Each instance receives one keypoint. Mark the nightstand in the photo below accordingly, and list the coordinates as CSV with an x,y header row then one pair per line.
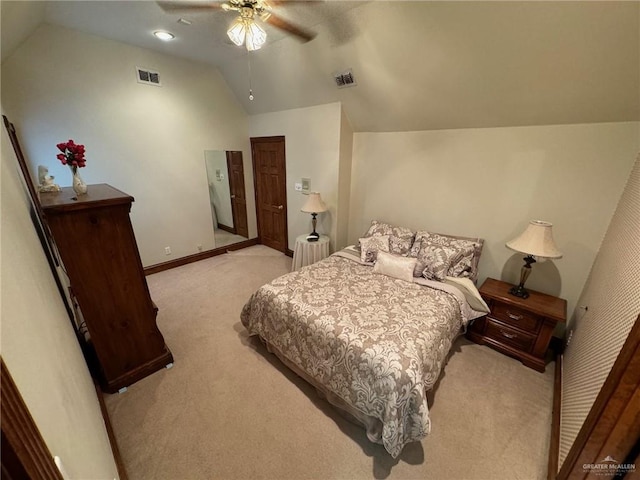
x,y
521,328
306,252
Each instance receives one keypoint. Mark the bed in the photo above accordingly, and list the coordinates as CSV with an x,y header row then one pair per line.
x,y
372,341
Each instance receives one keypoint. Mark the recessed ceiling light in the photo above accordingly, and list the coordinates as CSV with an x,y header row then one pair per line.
x,y
162,35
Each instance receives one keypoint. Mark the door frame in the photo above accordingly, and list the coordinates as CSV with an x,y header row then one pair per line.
x,y
24,451
611,427
287,250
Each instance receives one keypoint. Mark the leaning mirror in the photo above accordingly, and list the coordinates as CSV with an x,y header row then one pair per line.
x,y
227,196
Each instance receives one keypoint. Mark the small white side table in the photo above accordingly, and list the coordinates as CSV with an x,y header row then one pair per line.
x,y
305,252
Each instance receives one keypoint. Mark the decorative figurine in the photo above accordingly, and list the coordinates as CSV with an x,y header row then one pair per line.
x,y
46,181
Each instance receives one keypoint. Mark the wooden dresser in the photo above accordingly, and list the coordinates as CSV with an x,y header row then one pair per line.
x,y
98,249
521,328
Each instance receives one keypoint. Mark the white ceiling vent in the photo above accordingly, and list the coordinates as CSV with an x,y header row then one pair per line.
x,y
345,79
149,77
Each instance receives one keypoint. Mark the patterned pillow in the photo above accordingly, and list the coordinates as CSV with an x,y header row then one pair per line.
x,y
370,246
463,267
395,266
400,245
466,265
378,228
434,261
400,240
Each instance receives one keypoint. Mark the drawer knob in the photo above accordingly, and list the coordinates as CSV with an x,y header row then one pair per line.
x,y
513,316
508,335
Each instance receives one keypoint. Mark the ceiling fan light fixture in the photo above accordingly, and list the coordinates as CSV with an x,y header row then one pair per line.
x,y
255,37
245,31
237,31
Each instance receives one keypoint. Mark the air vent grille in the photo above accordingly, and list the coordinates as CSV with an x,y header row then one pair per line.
x,y
148,77
345,79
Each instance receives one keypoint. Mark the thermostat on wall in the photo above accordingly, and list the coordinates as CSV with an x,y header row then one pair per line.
x,y
306,185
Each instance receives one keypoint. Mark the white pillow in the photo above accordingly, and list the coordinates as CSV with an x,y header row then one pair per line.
x,y
395,266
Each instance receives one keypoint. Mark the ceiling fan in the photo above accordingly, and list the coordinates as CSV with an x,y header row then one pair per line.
x,y
245,29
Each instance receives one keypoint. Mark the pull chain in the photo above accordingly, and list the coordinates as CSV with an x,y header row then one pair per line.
x,y
249,69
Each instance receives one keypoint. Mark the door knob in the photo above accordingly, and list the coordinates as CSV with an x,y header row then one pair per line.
x,y
280,207
233,196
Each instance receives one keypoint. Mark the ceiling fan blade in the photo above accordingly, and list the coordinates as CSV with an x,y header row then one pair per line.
x,y
279,22
189,6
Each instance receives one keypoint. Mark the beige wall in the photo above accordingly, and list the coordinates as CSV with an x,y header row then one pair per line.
x,y
147,141
19,20
312,137
39,345
344,180
491,182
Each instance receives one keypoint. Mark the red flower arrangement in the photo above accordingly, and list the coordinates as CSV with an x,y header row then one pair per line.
x,y
72,155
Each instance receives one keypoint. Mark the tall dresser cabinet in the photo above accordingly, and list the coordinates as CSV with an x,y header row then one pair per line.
x,y
95,240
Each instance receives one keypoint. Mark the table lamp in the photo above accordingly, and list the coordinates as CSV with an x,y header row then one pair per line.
x,y
535,241
314,205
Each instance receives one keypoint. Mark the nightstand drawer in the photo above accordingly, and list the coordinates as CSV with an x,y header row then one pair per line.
x,y
516,317
509,336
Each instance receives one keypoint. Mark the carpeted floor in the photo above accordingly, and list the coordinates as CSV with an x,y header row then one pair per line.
x,y
223,238
230,410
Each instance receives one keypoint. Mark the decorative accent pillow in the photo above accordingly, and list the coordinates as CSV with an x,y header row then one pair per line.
x,y
378,228
400,240
400,245
434,261
466,265
395,266
370,246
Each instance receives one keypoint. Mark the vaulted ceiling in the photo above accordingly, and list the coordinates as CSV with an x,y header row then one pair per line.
x,y
418,65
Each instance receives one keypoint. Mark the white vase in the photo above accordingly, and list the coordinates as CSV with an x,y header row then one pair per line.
x,y
78,184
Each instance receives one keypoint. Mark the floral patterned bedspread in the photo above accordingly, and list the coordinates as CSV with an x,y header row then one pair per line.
x,y
376,342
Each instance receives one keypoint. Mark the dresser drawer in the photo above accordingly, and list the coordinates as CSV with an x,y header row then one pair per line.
x,y
509,336
516,317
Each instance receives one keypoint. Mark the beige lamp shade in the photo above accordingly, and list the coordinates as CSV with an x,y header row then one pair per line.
x,y
536,240
314,204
